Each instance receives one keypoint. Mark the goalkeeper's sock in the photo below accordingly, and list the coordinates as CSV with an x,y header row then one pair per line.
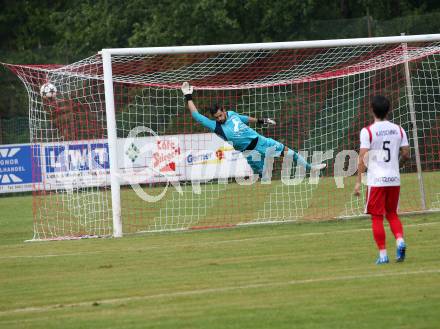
x,y
299,159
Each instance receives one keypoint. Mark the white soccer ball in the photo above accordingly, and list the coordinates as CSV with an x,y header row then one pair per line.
x,y
48,91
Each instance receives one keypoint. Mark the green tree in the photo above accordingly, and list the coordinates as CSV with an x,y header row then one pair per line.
x,y
59,31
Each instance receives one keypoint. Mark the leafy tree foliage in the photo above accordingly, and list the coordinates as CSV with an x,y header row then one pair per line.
x,y
57,31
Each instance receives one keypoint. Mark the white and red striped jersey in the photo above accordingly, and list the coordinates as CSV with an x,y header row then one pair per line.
x,y
384,140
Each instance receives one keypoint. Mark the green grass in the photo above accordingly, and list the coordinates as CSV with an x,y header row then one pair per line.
x,y
311,275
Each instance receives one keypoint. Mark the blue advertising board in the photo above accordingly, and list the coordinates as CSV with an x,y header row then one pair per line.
x,y
19,167
76,157
26,167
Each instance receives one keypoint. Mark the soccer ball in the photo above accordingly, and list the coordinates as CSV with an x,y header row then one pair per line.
x,y
48,91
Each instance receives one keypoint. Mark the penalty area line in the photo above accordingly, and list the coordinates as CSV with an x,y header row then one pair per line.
x,y
187,293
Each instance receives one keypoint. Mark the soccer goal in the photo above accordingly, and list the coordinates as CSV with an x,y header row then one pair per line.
x,y
117,151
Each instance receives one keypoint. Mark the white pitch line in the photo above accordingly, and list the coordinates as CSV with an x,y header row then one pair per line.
x,y
79,253
210,243
120,300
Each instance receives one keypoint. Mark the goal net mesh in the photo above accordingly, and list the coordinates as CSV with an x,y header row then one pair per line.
x,y
319,98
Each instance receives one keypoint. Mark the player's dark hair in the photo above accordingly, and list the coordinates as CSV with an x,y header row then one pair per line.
x,y
214,109
381,106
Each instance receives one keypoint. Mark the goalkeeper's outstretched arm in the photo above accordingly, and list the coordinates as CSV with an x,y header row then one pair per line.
x,y
187,91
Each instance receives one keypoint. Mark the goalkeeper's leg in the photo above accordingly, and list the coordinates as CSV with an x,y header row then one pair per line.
x,y
270,147
278,149
257,165
298,158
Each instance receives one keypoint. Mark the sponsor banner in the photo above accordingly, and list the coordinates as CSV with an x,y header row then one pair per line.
x,y
209,157
179,157
141,160
16,167
72,165
150,159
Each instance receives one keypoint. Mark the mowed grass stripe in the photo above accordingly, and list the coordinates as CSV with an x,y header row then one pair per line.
x,y
208,243
221,290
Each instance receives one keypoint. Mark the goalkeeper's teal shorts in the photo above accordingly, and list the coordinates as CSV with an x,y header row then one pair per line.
x,y
265,147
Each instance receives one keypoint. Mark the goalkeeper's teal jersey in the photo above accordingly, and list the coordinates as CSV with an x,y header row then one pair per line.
x,y
234,130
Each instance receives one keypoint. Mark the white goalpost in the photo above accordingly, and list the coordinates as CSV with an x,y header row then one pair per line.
x,y
119,153
112,144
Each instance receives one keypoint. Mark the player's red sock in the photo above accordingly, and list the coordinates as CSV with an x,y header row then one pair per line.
x,y
378,231
395,224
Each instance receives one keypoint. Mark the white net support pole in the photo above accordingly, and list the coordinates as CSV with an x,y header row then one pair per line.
x,y
112,144
415,136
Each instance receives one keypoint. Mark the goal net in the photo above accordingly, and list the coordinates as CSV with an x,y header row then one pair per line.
x,y
172,174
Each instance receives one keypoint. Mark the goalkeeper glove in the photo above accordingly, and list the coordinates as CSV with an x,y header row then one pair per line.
x,y
266,121
187,91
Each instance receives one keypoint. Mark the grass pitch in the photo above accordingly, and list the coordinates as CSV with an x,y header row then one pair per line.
x,y
313,275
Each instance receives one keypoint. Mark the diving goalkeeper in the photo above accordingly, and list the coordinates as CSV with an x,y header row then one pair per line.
x,y
233,128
